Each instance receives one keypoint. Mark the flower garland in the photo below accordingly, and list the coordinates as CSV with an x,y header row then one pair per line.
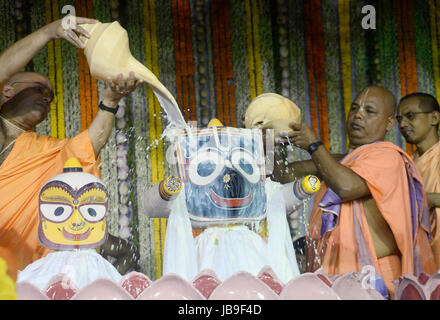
x,y
71,87
345,45
424,58
203,53
184,58
155,122
298,67
222,64
123,171
19,22
37,14
8,9
284,54
253,49
318,53
434,25
388,54
240,57
333,77
406,52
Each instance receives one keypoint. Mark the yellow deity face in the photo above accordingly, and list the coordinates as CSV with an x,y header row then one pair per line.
x,y
72,217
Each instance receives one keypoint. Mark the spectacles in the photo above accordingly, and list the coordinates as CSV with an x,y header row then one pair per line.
x,y
45,90
410,115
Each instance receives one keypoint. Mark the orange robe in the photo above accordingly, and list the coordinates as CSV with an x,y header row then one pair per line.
x,y
428,165
32,162
341,242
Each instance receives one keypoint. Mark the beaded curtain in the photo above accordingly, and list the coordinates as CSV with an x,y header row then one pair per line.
x,y
215,56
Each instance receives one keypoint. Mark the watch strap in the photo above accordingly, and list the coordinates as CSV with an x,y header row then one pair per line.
x,y
102,106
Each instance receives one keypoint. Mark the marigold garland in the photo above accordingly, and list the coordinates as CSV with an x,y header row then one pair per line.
x,y
156,153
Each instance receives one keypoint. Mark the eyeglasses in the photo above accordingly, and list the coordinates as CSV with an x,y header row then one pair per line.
x,y
410,115
45,90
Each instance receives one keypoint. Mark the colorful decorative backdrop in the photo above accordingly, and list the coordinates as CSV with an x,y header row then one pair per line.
x,y
215,56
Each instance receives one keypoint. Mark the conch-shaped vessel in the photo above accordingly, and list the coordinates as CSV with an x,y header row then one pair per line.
x,y
108,54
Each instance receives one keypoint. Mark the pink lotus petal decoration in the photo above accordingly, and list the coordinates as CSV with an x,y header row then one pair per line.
x,y
170,287
308,286
205,282
423,287
268,276
243,286
60,287
27,291
323,276
135,282
102,289
353,286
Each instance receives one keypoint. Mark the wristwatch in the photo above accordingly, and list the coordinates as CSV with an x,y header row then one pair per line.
x,y
102,106
313,147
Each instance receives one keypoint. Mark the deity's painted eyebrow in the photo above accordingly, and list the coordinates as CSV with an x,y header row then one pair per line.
x,y
56,198
94,198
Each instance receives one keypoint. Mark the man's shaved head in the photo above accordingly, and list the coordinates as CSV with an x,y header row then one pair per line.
x,y
371,116
26,99
20,81
388,101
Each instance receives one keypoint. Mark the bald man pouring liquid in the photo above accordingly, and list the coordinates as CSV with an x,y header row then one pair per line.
x,y
27,160
372,208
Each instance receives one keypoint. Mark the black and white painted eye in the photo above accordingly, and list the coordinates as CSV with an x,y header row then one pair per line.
x,y
205,167
92,212
246,165
55,212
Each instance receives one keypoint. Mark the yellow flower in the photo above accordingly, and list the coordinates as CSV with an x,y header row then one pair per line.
x,y
7,285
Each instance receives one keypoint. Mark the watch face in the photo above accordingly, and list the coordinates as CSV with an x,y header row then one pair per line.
x,y
72,212
314,146
223,173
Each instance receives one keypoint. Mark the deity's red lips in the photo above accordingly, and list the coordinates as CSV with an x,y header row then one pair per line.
x,y
76,237
231,202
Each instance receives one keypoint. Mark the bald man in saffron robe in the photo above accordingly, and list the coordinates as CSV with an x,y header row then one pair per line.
x,y
372,209
28,160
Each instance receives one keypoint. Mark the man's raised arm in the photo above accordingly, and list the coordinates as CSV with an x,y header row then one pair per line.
x,y
17,56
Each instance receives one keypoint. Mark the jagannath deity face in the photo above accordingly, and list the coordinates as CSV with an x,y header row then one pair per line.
x,y
73,208
223,173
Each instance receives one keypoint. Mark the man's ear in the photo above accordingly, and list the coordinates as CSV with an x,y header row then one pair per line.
x,y
435,118
8,91
390,123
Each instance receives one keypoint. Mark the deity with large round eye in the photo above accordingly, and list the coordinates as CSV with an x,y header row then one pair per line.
x,y
237,214
73,210
223,173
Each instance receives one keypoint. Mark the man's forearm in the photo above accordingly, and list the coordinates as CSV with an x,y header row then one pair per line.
x,y
341,179
101,127
17,56
287,172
